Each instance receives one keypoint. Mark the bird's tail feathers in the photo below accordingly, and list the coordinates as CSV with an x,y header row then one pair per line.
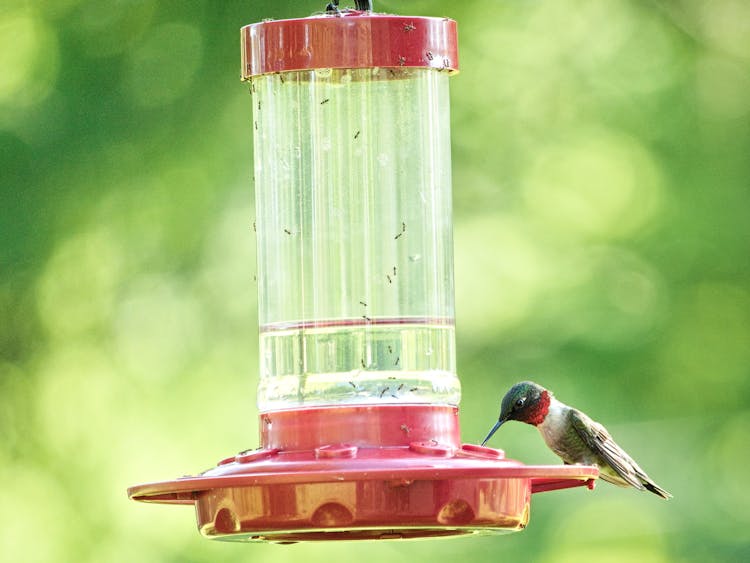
x,y
657,490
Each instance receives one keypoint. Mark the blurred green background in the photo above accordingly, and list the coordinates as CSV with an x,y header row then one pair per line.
x,y
601,183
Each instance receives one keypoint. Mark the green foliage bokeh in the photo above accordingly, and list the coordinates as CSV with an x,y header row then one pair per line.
x,y
601,172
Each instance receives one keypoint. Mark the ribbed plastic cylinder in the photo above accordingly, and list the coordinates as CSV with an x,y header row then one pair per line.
x,y
353,224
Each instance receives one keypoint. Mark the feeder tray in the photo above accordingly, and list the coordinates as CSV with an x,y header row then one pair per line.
x,y
418,482
358,393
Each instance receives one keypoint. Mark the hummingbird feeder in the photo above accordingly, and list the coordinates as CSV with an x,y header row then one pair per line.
x,y
358,392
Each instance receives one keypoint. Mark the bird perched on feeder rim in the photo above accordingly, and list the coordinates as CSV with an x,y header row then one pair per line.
x,y
573,436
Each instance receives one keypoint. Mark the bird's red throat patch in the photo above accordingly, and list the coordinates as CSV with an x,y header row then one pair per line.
x,y
540,410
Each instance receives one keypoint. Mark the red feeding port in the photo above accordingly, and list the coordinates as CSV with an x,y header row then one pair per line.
x,y
358,392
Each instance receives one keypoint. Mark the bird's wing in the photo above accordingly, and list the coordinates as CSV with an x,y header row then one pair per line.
x,y
598,439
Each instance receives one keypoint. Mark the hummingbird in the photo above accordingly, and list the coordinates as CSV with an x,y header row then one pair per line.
x,y
573,436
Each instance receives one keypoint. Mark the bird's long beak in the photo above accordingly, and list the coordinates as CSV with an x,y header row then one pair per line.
x,y
494,429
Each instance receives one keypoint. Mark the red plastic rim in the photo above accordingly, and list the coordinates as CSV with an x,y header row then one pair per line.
x,y
349,40
359,425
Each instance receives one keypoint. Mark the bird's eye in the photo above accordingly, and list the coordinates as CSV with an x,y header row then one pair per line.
x,y
520,402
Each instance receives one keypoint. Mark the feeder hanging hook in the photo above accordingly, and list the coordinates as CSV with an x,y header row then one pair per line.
x,y
362,5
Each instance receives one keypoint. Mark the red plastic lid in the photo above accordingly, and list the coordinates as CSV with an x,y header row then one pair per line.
x,y
351,39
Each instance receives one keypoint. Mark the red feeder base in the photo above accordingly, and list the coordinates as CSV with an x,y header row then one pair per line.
x,y
363,472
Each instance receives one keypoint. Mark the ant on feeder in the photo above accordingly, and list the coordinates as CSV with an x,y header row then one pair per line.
x,y
403,230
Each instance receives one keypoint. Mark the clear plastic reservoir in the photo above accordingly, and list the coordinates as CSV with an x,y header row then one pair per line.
x,y
353,225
